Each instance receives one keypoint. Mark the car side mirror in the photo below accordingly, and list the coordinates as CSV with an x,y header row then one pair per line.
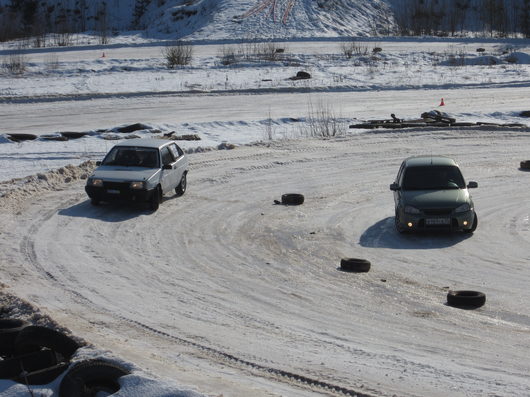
x,y
98,163
472,185
167,167
394,187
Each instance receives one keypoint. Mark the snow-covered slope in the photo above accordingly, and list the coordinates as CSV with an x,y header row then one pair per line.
x,y
243,19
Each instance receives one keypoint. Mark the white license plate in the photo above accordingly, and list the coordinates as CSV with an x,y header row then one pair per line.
x,y
113,191
438,221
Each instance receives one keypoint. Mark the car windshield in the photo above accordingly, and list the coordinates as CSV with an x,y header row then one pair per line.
x,y
433,178
132,157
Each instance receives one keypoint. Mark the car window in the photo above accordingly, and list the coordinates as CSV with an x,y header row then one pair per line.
x,y
167,157
433,178
174,151
180,151
400,173
132,157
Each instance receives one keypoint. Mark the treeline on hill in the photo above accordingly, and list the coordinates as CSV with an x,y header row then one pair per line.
x,y
494,18
37,19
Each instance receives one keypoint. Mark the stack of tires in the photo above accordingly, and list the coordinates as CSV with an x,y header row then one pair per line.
x,y
35,355
31,354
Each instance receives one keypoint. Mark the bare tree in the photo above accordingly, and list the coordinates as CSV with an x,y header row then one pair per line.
x,y
178,55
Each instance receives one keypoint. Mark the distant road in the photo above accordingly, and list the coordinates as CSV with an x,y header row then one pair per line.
x,y
46,117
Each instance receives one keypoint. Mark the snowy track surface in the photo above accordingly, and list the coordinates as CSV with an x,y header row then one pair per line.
x,y
222,290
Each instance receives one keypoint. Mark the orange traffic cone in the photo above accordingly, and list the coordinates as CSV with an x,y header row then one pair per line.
x,y
442,103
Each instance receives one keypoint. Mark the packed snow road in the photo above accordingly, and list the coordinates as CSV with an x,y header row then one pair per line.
x,y
223,290
68,115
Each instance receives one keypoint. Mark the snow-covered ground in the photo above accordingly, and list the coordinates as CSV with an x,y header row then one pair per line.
x,y
224,293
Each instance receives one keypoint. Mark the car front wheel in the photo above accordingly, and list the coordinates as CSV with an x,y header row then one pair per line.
x,y
397,223
181,188
474,226
154,202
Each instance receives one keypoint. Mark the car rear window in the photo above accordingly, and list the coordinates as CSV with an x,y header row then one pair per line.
x,y
433,178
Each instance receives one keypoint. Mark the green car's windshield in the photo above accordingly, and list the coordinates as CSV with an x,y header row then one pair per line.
x,y
433,178
132,157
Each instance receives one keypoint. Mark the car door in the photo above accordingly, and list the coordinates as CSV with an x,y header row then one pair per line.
x,y
169,169
181,162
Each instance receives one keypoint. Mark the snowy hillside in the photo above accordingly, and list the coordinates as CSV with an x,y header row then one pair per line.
x,y
236,19
208,19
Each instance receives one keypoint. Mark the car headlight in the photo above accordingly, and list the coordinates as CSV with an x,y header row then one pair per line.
x,y
95,182
409,209
463,208
137,185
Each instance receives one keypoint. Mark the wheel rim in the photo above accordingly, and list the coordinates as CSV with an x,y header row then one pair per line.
x,y
183,183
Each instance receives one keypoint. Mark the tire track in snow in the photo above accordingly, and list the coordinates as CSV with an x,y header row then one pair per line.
x,y
27,246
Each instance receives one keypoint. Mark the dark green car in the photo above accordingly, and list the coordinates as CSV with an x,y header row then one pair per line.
x,y
430,193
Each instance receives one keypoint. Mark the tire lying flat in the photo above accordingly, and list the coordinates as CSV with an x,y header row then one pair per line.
x,y
12,368
9,330
292,199
466,299
355,265
88,378
34,338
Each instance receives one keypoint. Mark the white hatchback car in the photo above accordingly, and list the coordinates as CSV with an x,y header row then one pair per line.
x,y
139,170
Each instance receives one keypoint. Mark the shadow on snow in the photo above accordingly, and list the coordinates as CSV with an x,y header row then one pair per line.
x,y
384,235
114,211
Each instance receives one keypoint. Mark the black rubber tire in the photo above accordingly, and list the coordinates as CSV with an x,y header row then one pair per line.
x,y
9,330
355,265
397,225
33,338
181,188
292,199
12,368
44,376
87,378
94,201
466,299
473,227
525,165
154,202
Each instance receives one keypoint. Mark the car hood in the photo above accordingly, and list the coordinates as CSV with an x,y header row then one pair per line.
x,y
450,198
117,173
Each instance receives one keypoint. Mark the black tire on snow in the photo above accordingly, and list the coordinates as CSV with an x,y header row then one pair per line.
x,y
9,330
33,338
181,188
87,378
397,225
355,265
94,201
12,368
525,165
466,299
43,376
292,199
154,202
474,226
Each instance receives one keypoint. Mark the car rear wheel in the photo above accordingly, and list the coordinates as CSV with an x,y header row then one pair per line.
x,y
181,188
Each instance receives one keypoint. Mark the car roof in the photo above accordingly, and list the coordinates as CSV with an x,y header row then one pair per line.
x,y
145,142
428,160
